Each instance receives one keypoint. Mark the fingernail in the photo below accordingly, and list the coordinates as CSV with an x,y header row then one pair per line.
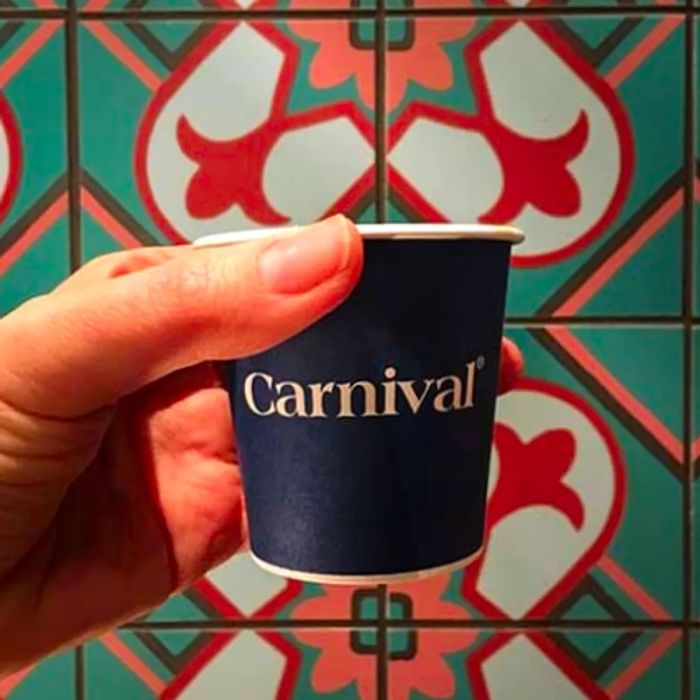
x,y
303,260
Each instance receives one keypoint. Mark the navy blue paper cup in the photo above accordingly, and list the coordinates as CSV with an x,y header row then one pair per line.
x,y
365,440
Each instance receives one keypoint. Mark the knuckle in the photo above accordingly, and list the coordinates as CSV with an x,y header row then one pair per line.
x,y
186,288
104,265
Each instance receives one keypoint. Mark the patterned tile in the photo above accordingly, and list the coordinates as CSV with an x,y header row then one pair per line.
x,y
694,665
34,253
586,465
582,148
399,6
275,665
696,251
158,192
239,589
54,678
9,5
33,203
695,454
470,665
228,5
197,127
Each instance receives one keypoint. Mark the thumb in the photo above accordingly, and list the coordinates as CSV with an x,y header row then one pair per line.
x,y
69,354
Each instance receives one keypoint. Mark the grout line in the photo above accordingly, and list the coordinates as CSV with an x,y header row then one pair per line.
x,y
557,10
22,14
688,303
80,673
247,623
73,135
380,113
209,15
388,624
501,11
199,15
639,321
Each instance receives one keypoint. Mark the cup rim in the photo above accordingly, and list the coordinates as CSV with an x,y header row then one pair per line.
x,y
391,232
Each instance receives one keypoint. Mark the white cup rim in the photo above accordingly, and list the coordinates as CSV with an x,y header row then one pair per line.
x,y
393,232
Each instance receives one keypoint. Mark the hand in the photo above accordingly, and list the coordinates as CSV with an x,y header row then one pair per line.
x,y
119,482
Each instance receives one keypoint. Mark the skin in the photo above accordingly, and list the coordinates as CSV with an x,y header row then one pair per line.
x,y
119,481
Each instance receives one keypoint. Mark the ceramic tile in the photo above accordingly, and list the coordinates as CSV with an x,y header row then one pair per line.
x,y
268,84
34,252
695,456
33,202
155,192
239,589
39,5
306,664
587,464
54,678
427,664
399,6
696,251
227,5
694,665
194,128
582,148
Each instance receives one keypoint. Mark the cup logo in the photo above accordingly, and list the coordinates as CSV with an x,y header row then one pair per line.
x,y
266,395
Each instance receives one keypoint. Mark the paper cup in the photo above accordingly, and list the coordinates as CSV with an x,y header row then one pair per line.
x,y
365,440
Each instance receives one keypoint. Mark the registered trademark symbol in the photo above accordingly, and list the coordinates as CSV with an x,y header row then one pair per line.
x,y
480,362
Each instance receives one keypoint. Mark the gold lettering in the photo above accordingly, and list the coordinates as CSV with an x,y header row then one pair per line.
x,y
454,394
469,385
390,393
370,396
415,401
318,391
293,403
250,396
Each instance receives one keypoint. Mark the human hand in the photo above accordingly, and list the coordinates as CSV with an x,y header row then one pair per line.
x,y
119,482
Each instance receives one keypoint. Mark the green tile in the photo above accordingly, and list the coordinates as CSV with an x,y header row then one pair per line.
x,y
201,664
143,171
32,121
587,464
583,149
533,665
54,678
38,269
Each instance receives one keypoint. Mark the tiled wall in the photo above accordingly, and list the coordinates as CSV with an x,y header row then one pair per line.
x,y
574,120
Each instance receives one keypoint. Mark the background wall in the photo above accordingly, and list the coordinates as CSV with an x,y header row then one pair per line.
x,y
576,121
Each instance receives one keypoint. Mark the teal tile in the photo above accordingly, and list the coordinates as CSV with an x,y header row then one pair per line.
x,y
696,247
34,239
54,678
401,5
305,664
201,127
471,665
32,122
35,253
38,5
695,457
587,463
228,5
239,589
582,149
695,656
